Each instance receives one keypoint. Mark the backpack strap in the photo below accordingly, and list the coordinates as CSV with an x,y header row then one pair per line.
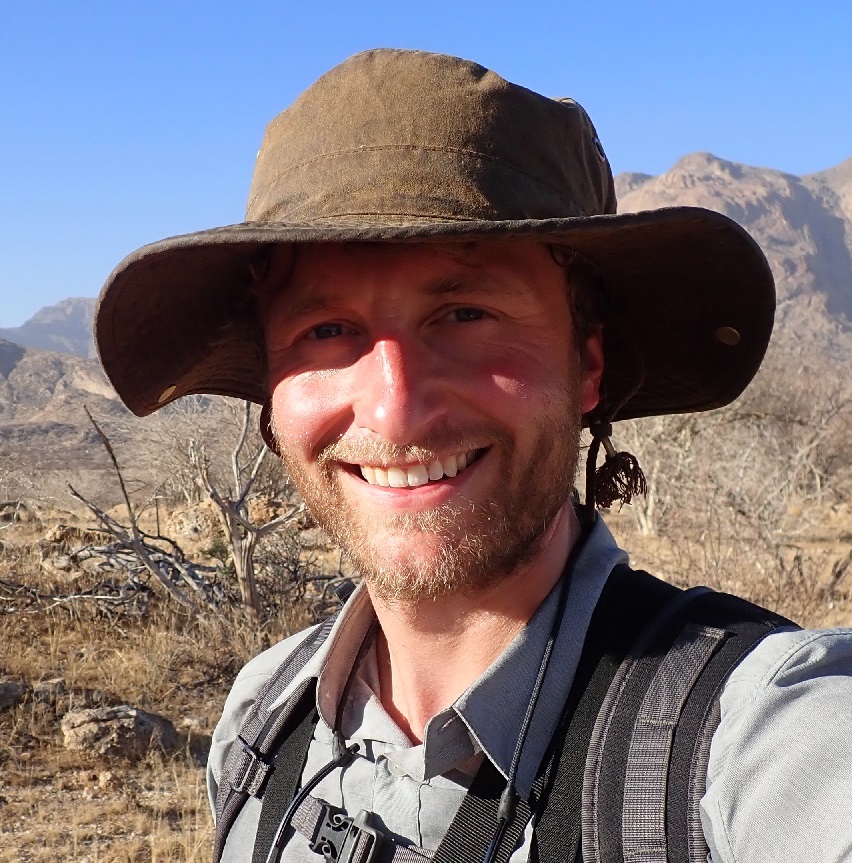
x,y
647,758
288,766
629,600
248,765
746,625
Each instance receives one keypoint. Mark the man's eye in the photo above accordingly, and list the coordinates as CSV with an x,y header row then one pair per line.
x,y
327,331
466,315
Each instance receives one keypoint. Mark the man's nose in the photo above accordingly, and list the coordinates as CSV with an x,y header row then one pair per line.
x,y
396,392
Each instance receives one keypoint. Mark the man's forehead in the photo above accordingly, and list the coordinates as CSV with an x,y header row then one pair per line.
x,y
304,276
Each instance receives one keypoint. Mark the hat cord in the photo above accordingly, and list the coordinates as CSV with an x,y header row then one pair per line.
x,y
619,478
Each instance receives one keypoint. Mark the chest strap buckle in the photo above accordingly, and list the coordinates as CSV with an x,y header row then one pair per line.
x,y
341,839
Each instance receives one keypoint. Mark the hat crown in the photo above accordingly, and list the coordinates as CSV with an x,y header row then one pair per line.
x,y
411,137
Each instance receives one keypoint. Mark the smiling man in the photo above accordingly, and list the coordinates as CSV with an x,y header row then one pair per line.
x,y
431,297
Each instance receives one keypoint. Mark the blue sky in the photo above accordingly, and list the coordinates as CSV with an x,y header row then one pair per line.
x,y
125,122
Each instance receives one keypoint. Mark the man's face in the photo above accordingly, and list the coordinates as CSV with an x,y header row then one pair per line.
x,y
427,402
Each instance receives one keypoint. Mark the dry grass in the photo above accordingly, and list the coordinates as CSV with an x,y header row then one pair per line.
x,y
808,581
56,804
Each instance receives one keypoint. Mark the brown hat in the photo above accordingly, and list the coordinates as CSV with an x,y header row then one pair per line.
x,y
410,146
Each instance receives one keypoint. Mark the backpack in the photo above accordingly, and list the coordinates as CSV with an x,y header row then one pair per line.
x,y
625,771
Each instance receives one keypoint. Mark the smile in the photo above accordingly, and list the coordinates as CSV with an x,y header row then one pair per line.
x,y
414,475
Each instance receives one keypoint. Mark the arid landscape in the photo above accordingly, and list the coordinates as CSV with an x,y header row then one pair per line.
x,y
142,562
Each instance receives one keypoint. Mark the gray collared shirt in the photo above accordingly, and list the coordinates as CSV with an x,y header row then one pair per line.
x,y
416,790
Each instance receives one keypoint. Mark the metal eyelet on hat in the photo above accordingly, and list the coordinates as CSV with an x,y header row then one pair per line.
x,y
728,336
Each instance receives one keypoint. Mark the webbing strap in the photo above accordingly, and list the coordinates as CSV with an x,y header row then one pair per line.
x,y
247,767
629,600
592,812
470,832
648,758
746,625
289,763
647,762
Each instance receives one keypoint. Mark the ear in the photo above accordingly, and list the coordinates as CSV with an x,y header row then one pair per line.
x,y
593,365
266,428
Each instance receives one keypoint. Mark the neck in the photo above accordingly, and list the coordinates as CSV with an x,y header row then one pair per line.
x,y
431,651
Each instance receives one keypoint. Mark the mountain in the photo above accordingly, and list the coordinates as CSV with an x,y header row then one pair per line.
x,y
803,224
42,395
65,327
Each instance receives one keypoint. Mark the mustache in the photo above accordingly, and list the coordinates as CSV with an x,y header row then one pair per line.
x,y
384,453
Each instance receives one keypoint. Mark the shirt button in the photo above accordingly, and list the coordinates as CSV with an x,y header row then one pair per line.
x,y
394,769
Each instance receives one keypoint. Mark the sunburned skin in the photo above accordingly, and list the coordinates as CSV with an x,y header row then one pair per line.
x,y
428,406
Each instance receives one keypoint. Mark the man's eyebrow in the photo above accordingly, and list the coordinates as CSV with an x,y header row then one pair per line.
x,y
302,306
448,287
477,286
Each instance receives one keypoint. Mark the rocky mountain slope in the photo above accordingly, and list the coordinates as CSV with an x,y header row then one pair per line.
x,y
804,224
65,327
42,393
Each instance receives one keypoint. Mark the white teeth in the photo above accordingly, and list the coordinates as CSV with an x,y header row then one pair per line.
x,y
416,474
397,478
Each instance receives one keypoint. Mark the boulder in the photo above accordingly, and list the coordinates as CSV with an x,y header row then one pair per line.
x,y
121,731
48,692
12,693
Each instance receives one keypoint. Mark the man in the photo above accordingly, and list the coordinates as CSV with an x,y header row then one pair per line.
x,y
430,298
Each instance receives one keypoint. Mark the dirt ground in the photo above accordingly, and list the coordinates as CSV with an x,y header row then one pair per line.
x,y
66,805
60,804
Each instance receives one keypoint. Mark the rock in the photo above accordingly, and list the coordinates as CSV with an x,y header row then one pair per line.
x,y
80,699
194,724
109,781
12,693
194,522
61,561
121,731
70,534
16,512
48,692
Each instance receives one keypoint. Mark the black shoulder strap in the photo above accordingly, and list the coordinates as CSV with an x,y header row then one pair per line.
x,y
629,602
248,765
626,605
290,759
746,625
647,756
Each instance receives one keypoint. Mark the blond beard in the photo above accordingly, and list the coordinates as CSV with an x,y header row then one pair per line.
x,y
501,534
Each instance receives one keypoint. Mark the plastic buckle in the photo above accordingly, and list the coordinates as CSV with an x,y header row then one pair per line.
x,y
338,837
253,771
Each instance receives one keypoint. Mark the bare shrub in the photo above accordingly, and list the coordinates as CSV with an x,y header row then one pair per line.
x,y
738,496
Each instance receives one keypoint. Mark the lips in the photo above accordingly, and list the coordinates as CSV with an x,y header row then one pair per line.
x,y
414,475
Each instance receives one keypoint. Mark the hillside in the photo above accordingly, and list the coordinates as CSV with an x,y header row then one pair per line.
x,y
42,422
803,224
65,327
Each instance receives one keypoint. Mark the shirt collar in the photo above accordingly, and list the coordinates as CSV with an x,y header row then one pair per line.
x,y
489,715
494,707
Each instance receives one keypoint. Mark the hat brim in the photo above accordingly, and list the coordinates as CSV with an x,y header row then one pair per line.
x,y
176,317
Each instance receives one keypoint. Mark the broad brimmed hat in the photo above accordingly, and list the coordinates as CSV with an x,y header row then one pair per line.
x,y
408,146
